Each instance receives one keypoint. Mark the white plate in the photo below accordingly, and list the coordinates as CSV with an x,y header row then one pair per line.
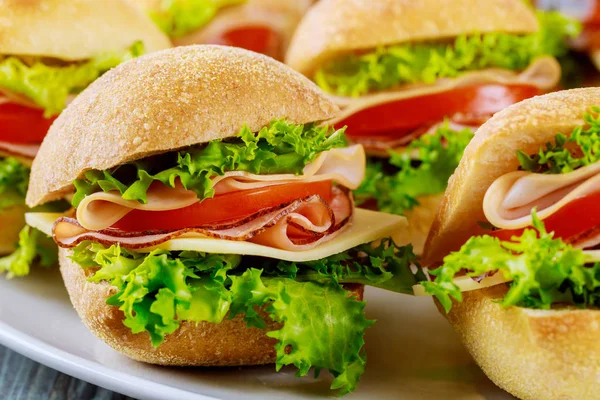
x,y
412,353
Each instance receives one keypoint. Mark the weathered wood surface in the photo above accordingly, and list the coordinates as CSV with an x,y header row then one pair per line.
x,y
24,379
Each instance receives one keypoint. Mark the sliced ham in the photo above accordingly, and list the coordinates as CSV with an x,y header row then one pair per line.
x,y
24,152
543,73
346,166
509,200
299,225
101,210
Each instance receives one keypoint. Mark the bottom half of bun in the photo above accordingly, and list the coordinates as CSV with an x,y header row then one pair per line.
x,y
230,343
12,220
532,354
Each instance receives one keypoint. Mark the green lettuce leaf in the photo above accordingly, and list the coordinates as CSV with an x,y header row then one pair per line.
x,y
323,326
386,266
49,85
33,246
580,149
279,148
388,67
422,169
544,270
14,179
178,17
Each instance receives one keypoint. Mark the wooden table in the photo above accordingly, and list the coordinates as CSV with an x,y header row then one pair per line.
x,y
22,378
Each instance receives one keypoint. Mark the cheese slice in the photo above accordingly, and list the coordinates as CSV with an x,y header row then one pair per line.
x,y
366,227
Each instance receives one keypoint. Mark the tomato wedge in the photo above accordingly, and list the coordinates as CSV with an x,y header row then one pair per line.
x,y
578,217
21,124
223,208
398,118
260,39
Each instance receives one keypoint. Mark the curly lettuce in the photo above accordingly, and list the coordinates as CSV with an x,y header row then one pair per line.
x,y
50,85
323,325
388,67
178,17
280,148
422,169
33,246
565,155
544,271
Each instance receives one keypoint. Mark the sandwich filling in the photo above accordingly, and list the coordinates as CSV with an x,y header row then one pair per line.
x,y
259,221
33,90
545,225
393,97
261,26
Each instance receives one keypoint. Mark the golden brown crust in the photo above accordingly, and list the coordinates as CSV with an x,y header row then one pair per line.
x,y
492,153
166,101
335,27
532,354
230,343
74,29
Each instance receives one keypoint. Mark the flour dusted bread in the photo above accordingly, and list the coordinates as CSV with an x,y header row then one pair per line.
x,y
166,101
532,354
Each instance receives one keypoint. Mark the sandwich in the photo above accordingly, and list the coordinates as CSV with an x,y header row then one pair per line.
x,y
213,220
513,252
45,61
414,79
263,26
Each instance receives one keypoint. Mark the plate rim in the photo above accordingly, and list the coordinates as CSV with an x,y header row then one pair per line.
x,y
90,371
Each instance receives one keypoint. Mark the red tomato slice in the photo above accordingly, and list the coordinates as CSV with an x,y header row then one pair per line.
x,y
21,124
578,217
260,39
398,118
222,208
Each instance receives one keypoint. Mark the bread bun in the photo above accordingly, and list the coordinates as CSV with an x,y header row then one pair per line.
x,y
74,29
230,343
166,101
532,354
335,27
492,153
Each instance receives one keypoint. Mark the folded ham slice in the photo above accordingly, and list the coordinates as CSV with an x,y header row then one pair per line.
x,y
101,210
543,73
296,226
509,200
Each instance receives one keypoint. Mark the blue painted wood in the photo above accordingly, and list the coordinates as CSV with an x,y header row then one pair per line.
x,y
24,379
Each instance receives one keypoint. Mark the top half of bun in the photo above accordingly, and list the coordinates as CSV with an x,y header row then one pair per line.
x,y
166,101
74,29
524,126
335,27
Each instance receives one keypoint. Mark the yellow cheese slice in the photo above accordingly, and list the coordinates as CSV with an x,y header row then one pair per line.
x,y
366,227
